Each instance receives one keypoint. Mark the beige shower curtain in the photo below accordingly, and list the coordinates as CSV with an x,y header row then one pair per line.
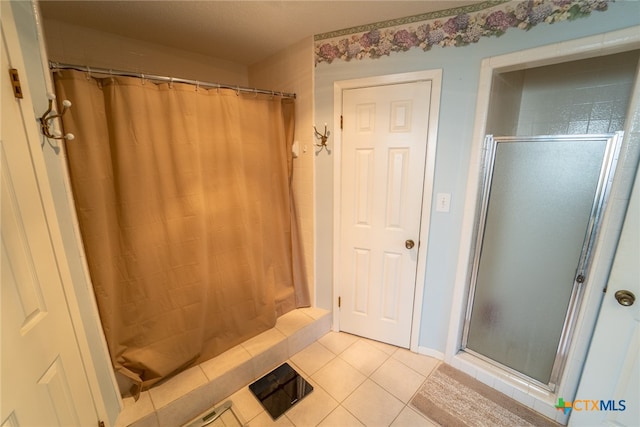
x,y
185,211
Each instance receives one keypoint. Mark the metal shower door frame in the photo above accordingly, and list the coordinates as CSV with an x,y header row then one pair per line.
x,y
603,189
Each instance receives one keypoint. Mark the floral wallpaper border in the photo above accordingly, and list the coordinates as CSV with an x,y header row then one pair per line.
x,y
448,28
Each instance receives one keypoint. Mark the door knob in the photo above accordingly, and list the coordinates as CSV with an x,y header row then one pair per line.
x,y
409,244
625,297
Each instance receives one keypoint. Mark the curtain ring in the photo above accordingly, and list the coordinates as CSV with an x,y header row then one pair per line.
x,y
218,89
197,85
237,90
255,92
111,76
56,68
170,82
88,75
143,80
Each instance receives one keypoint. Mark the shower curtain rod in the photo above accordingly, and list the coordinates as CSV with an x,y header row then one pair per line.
x,y
53,66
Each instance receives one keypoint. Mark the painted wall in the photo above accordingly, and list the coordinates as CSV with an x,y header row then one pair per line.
x,y
460,67
291,70
72,44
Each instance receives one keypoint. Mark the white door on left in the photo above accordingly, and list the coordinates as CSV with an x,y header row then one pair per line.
x,y
43,379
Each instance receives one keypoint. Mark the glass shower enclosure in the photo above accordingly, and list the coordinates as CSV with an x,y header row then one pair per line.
x,y
542,201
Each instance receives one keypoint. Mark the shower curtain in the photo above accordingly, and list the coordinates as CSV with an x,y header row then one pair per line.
x,y
184,206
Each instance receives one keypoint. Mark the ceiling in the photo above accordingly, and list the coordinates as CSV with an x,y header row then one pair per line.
x,y
243,32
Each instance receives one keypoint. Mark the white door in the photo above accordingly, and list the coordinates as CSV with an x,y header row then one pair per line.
x,y
43,381
612,368
384,144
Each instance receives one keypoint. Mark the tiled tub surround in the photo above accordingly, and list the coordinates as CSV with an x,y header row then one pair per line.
x,y
199,388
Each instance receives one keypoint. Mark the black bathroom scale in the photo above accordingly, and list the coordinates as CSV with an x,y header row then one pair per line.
x,y
280,389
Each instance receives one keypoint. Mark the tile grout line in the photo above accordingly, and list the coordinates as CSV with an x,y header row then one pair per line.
x,y
388,354
154,413
369,377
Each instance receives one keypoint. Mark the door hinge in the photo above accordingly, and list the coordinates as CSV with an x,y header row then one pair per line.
x,y
15,83
341,122
339,301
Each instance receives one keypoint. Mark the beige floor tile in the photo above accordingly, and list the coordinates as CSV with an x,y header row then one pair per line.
x,y
150,420
135,410
266,340
418,362
387,348
410,418
342,418
292,321
337,342
270,359
338,378
364,357
264,420
337,365
314,312
312,409
398,379
307,335
177,386
226,419
230,359
188,406
245,404
312,358
372,405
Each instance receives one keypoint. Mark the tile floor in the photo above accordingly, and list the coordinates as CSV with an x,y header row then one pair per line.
x,y
356,381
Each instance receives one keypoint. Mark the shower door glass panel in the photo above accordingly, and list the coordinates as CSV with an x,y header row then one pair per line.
x,y
540,198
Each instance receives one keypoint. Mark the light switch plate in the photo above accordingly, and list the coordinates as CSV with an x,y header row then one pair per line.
x,y
443,202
